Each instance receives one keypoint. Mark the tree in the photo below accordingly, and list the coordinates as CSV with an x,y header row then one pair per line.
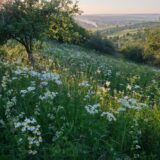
x,y
27,20
64,29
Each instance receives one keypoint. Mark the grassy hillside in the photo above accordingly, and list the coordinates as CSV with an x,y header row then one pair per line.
x,y
77,104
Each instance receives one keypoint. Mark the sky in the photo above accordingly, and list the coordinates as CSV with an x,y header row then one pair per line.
x,y
119,6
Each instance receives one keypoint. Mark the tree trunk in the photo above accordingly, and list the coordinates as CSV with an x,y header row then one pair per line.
x,y
31,58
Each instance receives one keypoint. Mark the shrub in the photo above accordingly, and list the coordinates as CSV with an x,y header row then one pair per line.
x,y
152,46
95,41
133,53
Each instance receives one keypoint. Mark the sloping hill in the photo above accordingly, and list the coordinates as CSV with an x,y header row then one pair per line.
x,y
77,104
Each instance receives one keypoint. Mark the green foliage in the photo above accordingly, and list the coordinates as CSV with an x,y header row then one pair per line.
x,y
64,29
133,53
97,42
26,21
141,38
152,46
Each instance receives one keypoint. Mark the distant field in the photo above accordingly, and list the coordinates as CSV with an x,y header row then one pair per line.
x,y
95,21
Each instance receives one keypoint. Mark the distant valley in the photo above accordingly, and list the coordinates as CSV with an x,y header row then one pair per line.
x,y
107,20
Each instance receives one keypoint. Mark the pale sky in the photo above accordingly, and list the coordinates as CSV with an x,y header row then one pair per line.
x,y
119,6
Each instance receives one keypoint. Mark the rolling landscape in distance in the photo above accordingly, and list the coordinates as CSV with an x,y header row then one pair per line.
x,y
109,20
79,80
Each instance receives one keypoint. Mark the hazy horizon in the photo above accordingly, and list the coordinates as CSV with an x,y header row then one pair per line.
x,y
119,7
87,14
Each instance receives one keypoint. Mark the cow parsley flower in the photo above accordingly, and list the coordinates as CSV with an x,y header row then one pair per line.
x,y
129,87
9,106
109,116
130,104
48,95
31,129
28,90
108,83
84,84
93,109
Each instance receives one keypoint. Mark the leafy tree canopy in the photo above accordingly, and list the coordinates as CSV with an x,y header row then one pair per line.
x,y
28,20
64,29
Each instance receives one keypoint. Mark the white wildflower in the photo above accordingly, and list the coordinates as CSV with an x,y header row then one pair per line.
x,y
108,83
109,116
93,109
84,84
129,87
48,95
30,128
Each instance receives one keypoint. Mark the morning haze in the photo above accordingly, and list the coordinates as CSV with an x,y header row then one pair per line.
x,y
119,6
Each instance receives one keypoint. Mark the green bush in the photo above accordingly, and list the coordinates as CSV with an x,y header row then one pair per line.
x,y
152,46
133,53
95,41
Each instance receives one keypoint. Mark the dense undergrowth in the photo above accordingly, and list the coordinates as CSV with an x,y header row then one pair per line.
x,y
77,105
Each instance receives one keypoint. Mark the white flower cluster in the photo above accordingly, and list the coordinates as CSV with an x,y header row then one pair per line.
x,y
129,87
29,127
130,104
5,80
93,109
107,83
47,76
135,134
28,90
48,95
84,84
37,110
43,84
8,107
9,92
108,72
89,94
43,76
109,116
58,134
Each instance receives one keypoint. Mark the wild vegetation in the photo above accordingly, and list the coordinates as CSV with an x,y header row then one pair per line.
x,y
137,42
28,20
73,102
77,105
134,37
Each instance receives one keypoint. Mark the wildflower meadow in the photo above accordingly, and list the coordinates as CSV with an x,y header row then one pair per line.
x,y
75,104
